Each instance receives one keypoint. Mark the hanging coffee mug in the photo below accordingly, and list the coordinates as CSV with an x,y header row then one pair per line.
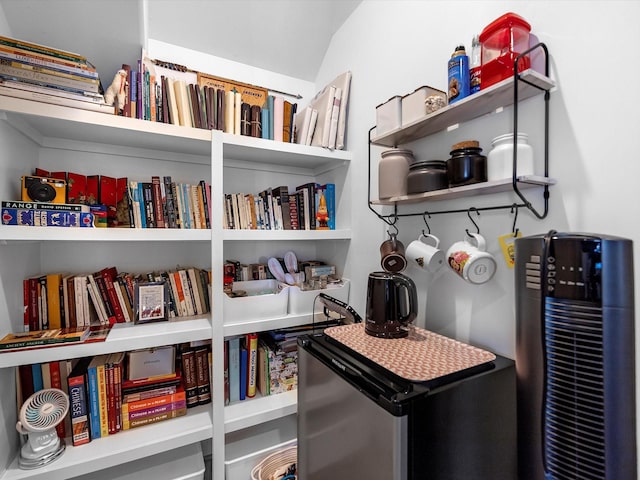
x,y
424,256
392,255
471,261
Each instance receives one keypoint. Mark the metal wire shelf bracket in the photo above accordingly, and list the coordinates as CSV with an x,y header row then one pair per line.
x,y
390,219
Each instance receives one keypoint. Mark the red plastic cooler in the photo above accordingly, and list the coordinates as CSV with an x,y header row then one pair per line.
x,y
502,41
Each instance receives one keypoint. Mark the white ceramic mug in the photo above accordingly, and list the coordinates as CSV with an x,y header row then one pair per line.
x,y
424,256
472,262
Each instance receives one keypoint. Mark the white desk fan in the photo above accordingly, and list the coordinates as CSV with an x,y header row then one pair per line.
x,y
38,417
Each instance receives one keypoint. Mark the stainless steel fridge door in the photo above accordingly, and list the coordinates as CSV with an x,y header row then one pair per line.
x,y
343,434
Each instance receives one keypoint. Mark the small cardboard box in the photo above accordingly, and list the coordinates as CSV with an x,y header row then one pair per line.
x,y
150,362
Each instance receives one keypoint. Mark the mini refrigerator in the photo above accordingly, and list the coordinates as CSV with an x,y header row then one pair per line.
x,y
358,419
575,357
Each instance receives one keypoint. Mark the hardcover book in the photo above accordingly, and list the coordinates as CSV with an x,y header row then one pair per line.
x,y
78,408
39,338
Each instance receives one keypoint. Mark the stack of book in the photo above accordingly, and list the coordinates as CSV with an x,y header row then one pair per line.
x,y
46,214
311,206
38,72
59,300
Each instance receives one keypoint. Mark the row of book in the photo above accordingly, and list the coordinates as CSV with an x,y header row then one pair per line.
x,y
42,73
104,400
153,203
311,206
58,300
171,93
265,363
253,366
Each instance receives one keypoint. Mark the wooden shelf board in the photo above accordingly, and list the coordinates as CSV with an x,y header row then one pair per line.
x,y
81,234
273,235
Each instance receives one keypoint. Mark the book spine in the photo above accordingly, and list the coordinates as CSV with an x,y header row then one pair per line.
x,y
44,50
51,69
78,404
112,296
153,418
158,208
147,198
190,377
45,218
156,392
111,398
61,207
170,201
243,371
103,401
94,401
158,401
25,56
22,72
146,412
234,369
252,360
104,295
202,374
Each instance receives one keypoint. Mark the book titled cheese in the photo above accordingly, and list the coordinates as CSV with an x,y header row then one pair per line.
x,y
40,338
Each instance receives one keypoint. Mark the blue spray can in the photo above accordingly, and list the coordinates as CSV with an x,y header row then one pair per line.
x,y
458,83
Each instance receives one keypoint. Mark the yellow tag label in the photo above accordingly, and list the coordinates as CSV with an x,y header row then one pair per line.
x,y
507,247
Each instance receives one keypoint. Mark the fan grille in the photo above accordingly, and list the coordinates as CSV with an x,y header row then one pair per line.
x,y
44,409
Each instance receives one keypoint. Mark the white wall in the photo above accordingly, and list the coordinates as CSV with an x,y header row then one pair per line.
x,y
392,47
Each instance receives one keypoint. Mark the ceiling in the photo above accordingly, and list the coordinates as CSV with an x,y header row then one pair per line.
x,y
289,37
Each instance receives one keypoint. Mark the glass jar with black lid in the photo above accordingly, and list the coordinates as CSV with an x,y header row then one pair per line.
x,y
466,165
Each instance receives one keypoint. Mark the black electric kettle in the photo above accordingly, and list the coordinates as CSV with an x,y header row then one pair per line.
x,y
392,304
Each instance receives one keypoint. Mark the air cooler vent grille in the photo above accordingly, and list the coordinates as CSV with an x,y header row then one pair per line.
x,y
574,409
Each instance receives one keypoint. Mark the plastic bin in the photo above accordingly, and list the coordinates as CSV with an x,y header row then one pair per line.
x,y
502,41
301,301
413,104
257,304
389,115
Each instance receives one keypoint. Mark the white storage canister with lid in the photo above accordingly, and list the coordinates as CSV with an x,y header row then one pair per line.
x,y
393,169
500,158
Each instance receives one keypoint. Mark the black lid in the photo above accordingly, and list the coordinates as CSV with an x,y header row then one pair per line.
x,y
428,164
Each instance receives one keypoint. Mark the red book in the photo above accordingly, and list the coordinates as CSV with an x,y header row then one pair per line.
x,y
138,405
111,396
26,381
109,275
56,382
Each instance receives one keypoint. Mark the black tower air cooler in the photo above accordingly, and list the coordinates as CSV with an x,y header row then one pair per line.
x,y
575,357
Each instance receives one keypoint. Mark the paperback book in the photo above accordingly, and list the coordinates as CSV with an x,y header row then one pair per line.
x,y
46,218
38,338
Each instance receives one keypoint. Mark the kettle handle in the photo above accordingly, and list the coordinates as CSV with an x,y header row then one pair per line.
x,y
410,287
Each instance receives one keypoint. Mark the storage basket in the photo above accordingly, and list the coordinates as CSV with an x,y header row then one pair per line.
x,y
272,464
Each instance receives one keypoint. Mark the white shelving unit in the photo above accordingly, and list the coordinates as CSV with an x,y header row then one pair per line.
x,y
91,142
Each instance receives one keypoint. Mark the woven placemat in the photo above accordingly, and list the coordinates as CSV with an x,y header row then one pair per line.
x,y
419,357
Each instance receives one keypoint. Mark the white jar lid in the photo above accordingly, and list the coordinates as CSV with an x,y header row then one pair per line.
x,y
522,138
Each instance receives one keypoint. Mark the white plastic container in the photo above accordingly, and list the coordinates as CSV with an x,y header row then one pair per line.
x,y
257,304
389,115
500,158
301,302
413,104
